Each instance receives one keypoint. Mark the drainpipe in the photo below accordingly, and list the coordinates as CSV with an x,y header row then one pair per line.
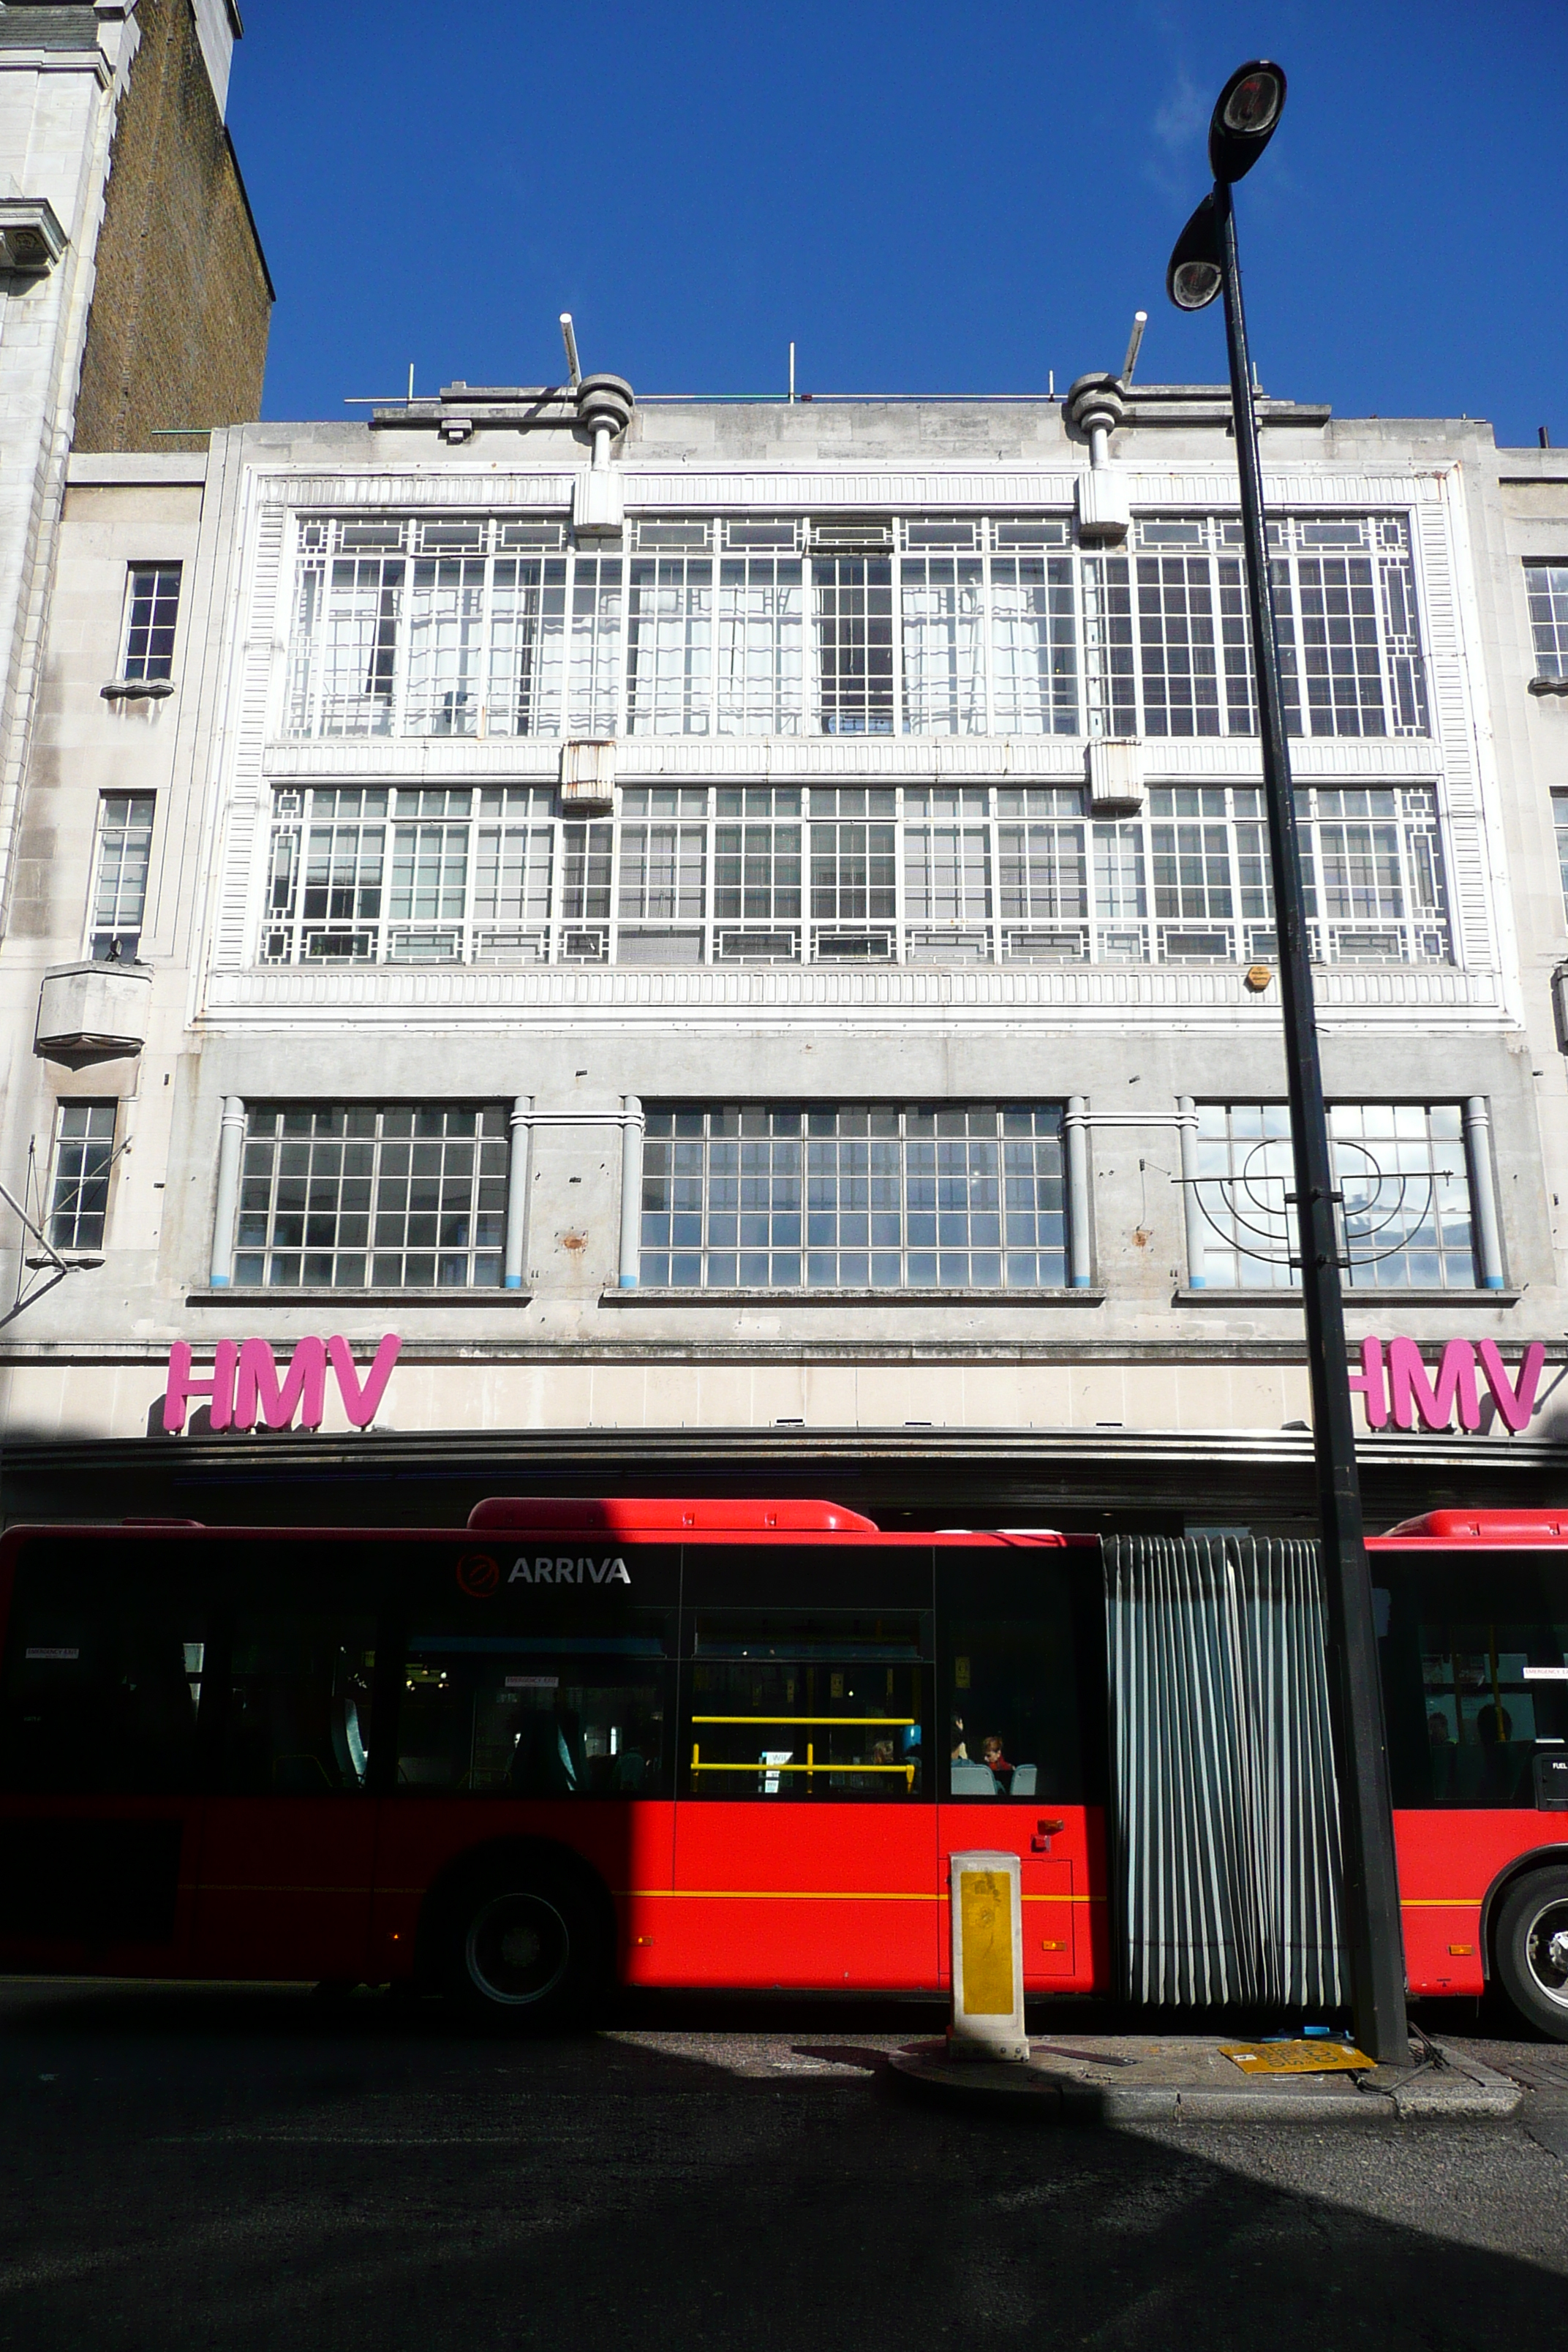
x,y
1187,1111
230,1152
1483,1190
631,1191
1078,1193
521,1136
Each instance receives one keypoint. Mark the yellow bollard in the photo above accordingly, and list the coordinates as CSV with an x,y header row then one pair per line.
x,y
987,1958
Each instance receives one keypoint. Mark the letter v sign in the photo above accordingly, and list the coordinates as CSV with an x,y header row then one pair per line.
x,y
360,1403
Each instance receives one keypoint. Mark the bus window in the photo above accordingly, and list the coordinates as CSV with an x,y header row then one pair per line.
x,y
542,1715
1476,1681
103,1681
1010,1716
826,1704
299,1711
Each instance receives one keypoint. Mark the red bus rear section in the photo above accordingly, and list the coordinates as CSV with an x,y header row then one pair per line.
x,y
705,1742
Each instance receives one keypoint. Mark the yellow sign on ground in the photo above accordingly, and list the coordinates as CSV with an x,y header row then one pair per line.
x,y
987,1911
1295,2057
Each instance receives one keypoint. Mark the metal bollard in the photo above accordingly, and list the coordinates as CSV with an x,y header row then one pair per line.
x,y
987,1958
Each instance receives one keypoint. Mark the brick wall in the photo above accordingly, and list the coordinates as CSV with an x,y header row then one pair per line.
x,y
177,333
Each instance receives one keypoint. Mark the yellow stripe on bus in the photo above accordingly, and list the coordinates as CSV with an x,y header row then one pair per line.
x,y
805,1894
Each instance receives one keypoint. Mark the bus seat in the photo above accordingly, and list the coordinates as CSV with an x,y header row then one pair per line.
x,y
972,1779
1023,1779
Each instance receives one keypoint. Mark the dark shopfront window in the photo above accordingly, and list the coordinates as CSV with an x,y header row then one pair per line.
x,y
1475,1678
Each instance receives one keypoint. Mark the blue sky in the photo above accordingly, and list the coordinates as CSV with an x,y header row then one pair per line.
x,y
926,198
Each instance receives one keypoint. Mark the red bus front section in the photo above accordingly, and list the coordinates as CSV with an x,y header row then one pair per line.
x,y
762,1726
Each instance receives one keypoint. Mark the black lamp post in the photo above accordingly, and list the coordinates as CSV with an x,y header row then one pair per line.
x,y
1203,266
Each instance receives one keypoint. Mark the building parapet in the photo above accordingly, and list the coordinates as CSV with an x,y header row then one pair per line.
x,y
628,992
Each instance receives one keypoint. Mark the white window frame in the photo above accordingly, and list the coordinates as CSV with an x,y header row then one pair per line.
x,y
104,837
1402,1172
874,873
955,604
344,1167
884,1197
67,1215
145,675
1548,627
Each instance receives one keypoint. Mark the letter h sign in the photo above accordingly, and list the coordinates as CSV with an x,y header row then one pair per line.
x,y
245,1382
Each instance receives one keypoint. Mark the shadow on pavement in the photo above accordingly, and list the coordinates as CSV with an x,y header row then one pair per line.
x,y
250,2169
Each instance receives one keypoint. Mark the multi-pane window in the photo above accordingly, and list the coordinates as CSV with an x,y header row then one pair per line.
x,y
843,873
1035,655
894,624
662,886
1349,648
152,608
1546,585
944,667
965,1196
1560,827
760,684
346,1196
122,856
1193,654
1344,600
450,626
1401,1169
854,869
854,601
84,1153
670,643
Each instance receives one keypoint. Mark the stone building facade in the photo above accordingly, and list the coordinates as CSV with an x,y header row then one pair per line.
x,y
133,288
738,936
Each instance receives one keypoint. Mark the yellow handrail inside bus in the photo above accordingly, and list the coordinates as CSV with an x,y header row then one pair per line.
x,y
892,1722
809,1767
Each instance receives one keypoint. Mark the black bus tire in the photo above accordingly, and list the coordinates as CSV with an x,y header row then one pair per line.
x,y
524,1950
1532,1950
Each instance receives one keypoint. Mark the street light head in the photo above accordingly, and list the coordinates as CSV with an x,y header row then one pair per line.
x,y
1196,275
1246,114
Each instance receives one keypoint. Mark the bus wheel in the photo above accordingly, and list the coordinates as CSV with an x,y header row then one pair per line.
x,y
522,1951
1532,1950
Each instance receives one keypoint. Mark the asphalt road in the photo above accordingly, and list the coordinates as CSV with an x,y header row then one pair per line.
x,y
185,2169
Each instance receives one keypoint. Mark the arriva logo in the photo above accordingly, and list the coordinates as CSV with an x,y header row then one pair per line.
x,y
569,1571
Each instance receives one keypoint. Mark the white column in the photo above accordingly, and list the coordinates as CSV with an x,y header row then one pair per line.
x,y
1483,1190
521,1127
1078,1193
631,1191
230,1152
1187,1111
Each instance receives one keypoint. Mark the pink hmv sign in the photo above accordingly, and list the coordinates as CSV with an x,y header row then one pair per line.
x,y
1395,1384
245,1384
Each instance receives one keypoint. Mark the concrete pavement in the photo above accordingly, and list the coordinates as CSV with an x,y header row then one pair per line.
x,y
184,2168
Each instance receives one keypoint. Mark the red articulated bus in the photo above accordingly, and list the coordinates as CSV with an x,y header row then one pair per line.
x,y
674,1743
